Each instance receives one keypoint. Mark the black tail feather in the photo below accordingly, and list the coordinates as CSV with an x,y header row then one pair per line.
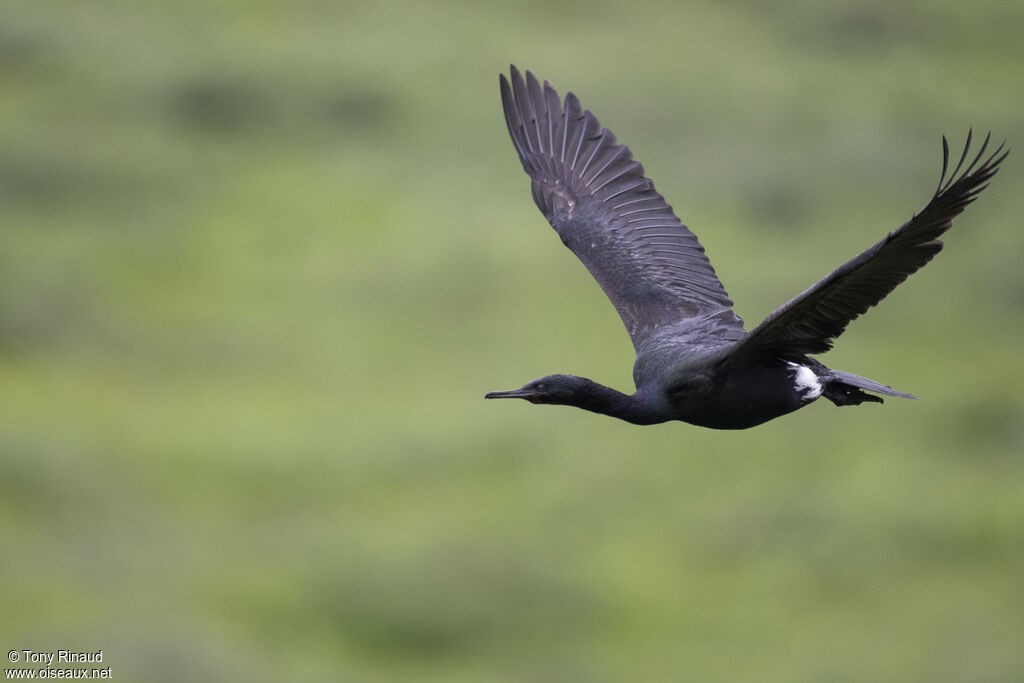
x,y
844,389
845,395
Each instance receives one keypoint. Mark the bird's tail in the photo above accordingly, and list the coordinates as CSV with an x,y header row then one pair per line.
x,y
844,389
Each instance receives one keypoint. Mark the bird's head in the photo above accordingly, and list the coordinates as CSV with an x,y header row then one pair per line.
x,y
555,389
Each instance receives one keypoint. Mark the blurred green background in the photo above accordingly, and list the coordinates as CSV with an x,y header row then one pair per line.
x,y
261,260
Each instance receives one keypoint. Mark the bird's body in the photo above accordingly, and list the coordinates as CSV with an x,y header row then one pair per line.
x,y
695,362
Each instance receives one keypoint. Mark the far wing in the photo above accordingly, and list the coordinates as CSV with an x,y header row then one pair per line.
x,y
596,197
810,322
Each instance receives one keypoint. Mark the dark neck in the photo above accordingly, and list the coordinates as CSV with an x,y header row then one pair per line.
x,y
597,398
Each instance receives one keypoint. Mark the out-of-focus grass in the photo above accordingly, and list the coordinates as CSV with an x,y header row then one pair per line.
x,y
260,261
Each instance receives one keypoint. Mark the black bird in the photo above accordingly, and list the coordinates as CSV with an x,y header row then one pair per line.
x,y
695,362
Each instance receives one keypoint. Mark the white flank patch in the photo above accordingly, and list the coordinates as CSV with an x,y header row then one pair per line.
x,y
805,381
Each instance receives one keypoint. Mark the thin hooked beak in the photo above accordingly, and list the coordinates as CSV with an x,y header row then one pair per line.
x,y
513,393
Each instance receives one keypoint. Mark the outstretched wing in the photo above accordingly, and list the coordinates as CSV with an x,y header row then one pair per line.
x,y
596,197
810,322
